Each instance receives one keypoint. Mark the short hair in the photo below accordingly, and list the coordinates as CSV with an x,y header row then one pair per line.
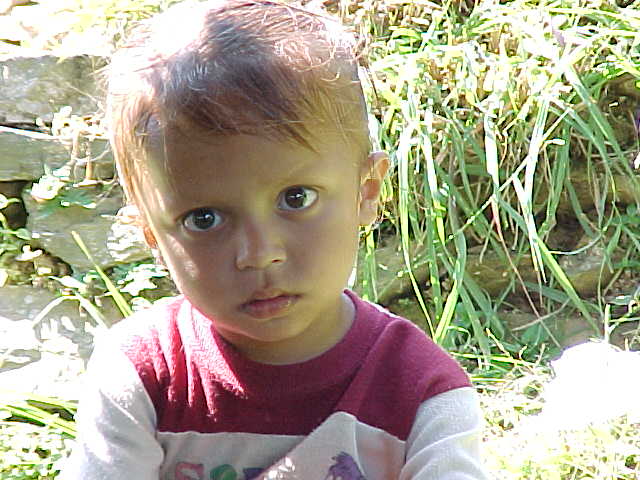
x,y
228,67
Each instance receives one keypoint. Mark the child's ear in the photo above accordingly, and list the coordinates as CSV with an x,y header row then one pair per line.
x,y
371,179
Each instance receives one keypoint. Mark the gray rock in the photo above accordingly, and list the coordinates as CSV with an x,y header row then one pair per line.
x,y
45,342
19,302
23,154
589,269
54,375
108,241
37,86
102,157
27,329
18,343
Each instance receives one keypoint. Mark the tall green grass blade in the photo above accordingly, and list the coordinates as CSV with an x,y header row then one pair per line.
x,y
557,296
369,277
434,230
559,171
525,193
566,285
431,177
120,301
448,313
458,273
36,408
403,154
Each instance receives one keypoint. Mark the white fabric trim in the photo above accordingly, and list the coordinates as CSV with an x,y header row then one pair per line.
x,y
444,443
116,424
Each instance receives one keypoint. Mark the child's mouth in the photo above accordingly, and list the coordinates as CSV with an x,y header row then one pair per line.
x,y
263,308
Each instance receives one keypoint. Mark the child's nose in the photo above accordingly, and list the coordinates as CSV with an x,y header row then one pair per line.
x,y
259,246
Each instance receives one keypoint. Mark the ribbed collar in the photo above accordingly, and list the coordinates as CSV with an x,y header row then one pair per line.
x,y
223,363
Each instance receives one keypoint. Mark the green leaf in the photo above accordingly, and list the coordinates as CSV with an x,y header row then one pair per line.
x,y
535,335
47,187
74,196
22,234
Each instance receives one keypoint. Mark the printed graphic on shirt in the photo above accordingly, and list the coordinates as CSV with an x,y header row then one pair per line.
x,y
189,471
195,471
343,468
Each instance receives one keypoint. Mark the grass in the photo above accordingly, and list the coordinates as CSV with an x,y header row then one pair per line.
x,y
505,122
516,447
36,435
31,452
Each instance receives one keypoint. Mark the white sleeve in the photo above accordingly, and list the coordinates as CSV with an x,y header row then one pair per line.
x,y
444,443
116,424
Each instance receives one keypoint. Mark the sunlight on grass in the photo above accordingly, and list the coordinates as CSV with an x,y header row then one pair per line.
x,y
518,446
36,435
506,121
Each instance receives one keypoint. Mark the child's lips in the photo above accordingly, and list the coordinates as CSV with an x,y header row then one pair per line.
x,y
269,305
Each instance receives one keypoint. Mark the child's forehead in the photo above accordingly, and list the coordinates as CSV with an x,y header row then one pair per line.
x,y
184,169
319,133
177,141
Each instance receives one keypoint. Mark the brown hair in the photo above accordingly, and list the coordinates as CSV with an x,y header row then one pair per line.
x,y
229,67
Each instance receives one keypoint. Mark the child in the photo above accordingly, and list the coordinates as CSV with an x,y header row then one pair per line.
x,y
240,133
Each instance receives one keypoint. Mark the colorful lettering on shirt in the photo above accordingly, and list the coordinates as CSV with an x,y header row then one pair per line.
x,y
344,468
251,473
193,471
189,471
223,472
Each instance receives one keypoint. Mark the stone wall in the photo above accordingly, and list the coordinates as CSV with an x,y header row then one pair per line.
x,y
53,158
36,92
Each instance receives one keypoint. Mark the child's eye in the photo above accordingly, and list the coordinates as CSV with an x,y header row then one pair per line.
x,y
201,219
297,198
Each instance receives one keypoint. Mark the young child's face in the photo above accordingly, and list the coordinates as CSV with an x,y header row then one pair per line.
x,y
260,235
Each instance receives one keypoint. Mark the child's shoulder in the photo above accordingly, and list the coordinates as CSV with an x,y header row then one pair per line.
x,y
148,325
400,369
404,351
